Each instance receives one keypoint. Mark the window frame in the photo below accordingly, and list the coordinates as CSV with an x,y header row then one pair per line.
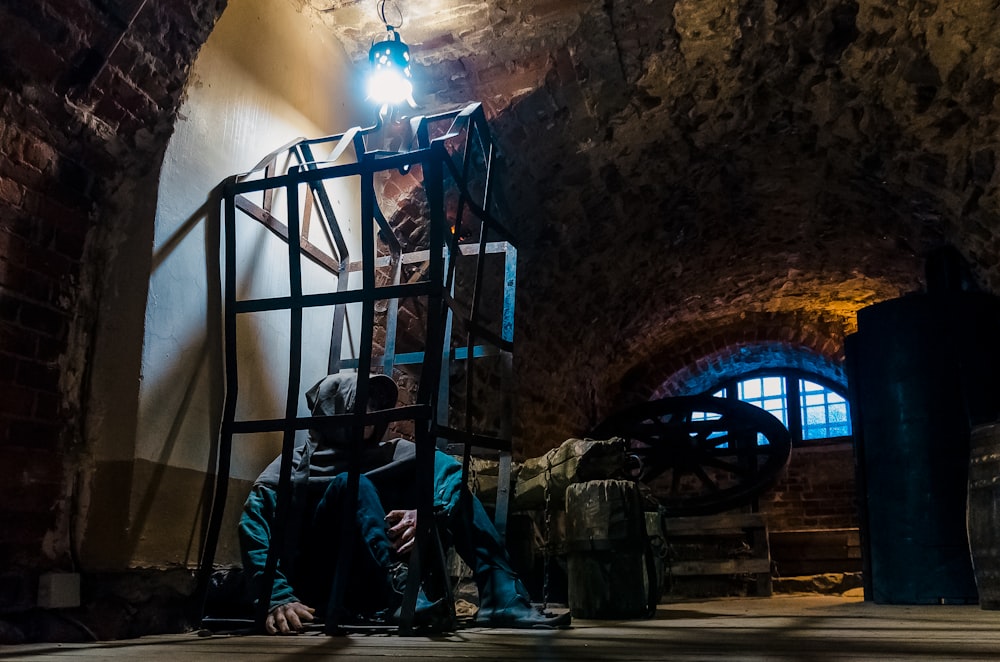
x,y
792,376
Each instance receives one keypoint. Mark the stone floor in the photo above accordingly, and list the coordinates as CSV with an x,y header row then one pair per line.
x,y
788,627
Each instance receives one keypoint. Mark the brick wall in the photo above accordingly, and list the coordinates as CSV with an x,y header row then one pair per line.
x,y
812,513
86,101
816,491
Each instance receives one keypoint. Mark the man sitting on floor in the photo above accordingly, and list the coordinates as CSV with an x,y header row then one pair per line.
x,y
385,521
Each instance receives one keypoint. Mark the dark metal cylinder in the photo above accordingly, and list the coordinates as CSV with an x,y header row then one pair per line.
x,y
923,371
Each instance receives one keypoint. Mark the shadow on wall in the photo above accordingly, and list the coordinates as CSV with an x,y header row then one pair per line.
x,y
206,354
115,535
151,477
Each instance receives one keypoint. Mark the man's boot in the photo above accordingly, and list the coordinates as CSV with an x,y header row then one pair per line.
x,y
504,602
428,615
503,599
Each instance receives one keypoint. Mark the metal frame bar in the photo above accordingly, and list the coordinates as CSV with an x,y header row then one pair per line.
x,y
306,182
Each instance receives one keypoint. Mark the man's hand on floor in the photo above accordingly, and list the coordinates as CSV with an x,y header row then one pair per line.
x,y
402,529
289,618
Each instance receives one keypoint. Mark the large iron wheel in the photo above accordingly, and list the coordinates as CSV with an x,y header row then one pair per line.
x,y
700,454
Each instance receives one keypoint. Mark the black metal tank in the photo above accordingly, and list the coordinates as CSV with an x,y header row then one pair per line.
x,y
923,369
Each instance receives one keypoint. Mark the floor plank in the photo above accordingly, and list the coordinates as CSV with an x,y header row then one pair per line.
x,y
778,628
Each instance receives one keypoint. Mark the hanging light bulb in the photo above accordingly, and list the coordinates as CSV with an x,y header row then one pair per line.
x,y
390,81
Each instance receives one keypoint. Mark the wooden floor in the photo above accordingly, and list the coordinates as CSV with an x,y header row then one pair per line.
x,y
780,628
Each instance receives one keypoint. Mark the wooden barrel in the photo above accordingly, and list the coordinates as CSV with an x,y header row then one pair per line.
x,y
605,543
983,512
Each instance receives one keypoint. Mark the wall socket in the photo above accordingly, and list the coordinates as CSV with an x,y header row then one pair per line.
x,y
58,590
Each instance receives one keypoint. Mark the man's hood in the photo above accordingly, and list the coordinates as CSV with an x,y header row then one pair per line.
x,y
337,394
325,455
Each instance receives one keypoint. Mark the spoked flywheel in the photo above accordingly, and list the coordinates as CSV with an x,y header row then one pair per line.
x,y
701,454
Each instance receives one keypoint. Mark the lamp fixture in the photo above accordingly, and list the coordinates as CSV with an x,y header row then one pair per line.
x,y
390,79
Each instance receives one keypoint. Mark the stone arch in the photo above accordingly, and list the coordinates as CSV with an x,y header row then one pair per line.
x,y
690,361
742,358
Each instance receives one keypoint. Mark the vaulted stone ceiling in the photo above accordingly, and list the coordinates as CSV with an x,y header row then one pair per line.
x,y
686,173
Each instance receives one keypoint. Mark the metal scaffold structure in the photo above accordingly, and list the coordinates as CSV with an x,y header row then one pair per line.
x,y
430,299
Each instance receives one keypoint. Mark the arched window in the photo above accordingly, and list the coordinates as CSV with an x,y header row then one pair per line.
x,y
811,407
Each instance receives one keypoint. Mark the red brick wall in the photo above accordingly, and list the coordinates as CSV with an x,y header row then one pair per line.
x,y
74,123
816,491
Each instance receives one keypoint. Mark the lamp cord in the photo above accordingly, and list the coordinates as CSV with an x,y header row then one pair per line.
x,y
381,15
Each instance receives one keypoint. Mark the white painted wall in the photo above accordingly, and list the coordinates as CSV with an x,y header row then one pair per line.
x,y
266,76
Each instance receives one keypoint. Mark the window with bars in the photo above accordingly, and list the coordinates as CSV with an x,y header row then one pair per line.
x,y
822,413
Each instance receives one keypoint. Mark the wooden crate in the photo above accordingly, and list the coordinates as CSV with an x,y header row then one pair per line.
x,y
748,527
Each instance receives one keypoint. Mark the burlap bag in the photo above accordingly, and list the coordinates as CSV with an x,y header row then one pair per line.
x,y
574,461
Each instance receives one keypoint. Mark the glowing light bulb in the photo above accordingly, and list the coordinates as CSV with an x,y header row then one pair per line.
x,y
389,85
389,82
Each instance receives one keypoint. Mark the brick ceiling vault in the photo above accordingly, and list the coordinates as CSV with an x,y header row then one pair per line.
x,y
687,174
673,167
